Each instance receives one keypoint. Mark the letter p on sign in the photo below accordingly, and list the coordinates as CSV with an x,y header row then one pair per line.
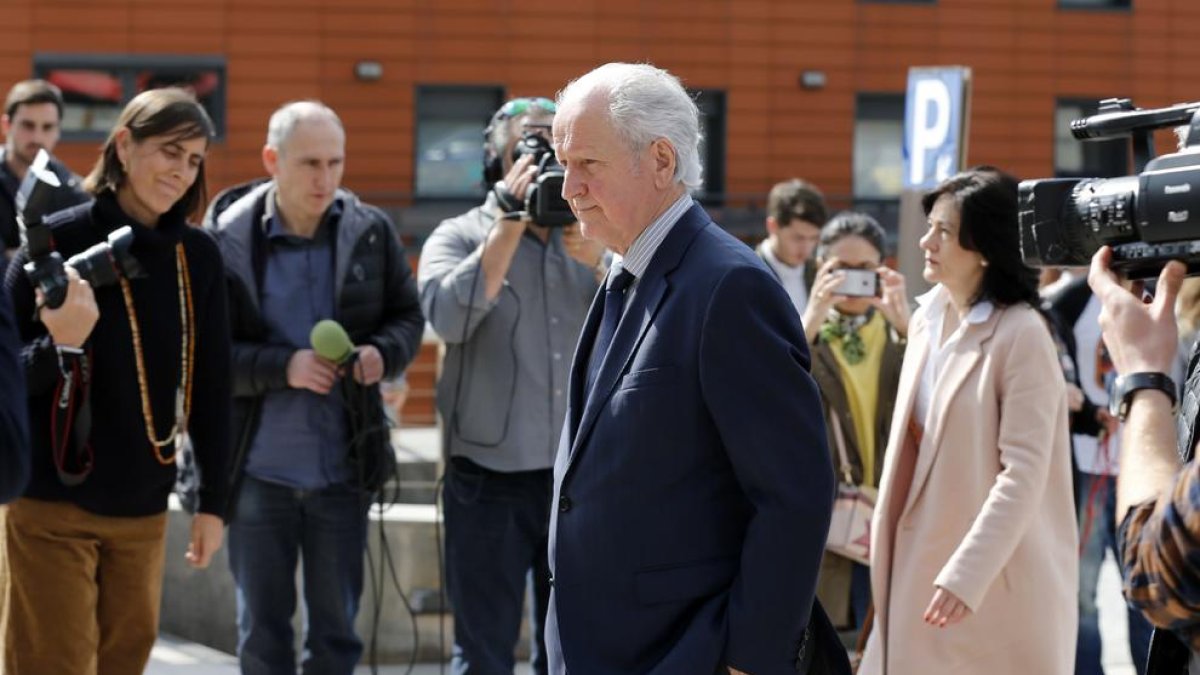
x,y
933,124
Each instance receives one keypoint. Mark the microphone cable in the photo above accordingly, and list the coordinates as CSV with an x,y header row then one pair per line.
x,y
358,446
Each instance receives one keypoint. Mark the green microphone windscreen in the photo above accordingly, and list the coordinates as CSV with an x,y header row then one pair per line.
x,y
330,341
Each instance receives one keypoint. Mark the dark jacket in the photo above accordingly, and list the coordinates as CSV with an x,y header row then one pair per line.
x,y
375,301
127,479
693,499
14,410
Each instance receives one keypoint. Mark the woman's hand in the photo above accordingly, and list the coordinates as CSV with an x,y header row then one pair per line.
x,y
822,298
893,300
207,533
945,609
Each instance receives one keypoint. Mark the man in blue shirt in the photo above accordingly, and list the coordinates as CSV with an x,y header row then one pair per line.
x,y
300,249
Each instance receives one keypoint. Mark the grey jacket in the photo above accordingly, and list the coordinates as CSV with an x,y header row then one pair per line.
x,y
503,390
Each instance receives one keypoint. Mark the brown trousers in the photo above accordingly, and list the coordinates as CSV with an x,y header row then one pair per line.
x,y
84,590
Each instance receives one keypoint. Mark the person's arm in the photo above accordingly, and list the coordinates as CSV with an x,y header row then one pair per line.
x,y
1032,414
1141,337
768,412
1158,508
209,421
398,337
461,275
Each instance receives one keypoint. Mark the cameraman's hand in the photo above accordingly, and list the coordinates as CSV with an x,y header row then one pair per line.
x,y
72,322
822,298
893,300
1140,337
368,367
306,370
517,182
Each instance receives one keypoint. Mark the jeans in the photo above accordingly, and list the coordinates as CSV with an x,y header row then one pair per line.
x,y
497,529
272,527
1097,494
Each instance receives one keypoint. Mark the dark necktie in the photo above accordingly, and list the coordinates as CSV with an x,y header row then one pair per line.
x,y
614,302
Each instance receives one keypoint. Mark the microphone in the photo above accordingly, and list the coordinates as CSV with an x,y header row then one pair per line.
x,y
330,341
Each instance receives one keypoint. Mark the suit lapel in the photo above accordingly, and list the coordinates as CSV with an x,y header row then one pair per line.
x,y
961,359
635,321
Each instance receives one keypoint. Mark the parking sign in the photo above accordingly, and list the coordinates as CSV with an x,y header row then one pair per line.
x,y
936,109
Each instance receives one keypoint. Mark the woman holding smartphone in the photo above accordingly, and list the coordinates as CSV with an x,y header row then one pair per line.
x,y
133,364
857,347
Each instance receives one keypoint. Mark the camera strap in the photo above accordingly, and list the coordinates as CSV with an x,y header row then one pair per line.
x,y
72,412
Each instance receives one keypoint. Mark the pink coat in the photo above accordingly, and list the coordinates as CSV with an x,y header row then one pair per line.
x,y
989,515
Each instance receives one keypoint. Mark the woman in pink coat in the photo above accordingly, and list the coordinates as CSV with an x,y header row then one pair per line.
x,y
973,546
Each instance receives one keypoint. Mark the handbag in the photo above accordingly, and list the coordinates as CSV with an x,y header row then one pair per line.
x,y
850,524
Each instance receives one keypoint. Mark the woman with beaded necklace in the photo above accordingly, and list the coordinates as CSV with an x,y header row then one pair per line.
x,y
116,374
857,348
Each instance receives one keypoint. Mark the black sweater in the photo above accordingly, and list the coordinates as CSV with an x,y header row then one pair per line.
x,y
127,479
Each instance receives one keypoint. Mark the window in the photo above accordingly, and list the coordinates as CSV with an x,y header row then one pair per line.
x,y
1095,4
97,87
878,140
1079,159
712,146
449,144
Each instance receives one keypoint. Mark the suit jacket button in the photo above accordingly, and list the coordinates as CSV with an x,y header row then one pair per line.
x,y
564,504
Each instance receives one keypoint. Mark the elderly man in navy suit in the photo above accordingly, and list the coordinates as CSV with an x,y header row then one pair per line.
x,y
692,485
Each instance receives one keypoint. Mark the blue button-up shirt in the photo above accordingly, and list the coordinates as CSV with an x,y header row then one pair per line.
x,y
301,439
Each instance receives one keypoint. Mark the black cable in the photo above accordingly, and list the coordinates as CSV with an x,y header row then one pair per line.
x,y
465,349
438,495
358,446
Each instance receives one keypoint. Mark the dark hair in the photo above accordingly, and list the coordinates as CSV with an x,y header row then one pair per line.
x,y
797,199
157,112
852,223
31,92
987,203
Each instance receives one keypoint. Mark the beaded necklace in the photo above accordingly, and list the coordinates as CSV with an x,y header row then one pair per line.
x,y
187,351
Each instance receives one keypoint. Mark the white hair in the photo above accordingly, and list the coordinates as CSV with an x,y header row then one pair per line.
x,y
646,103
284,120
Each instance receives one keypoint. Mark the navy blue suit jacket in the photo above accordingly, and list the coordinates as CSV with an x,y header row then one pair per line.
x,y
693,488
14,407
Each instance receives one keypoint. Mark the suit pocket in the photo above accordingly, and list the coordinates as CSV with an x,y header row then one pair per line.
x,y
684,581
649,377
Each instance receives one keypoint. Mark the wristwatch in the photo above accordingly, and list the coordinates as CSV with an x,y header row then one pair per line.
x,y
1127,385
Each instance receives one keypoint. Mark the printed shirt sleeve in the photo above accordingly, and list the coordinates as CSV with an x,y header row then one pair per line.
x,y
1160,553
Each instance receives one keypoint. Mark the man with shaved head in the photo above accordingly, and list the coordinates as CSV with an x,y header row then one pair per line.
x,y
300,249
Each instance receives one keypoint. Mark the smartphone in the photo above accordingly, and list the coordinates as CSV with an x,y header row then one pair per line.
x,y
858,283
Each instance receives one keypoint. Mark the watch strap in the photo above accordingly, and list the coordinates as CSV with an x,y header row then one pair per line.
x,y
1127,385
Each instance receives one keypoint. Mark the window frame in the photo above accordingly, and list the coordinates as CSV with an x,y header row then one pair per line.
x,y
127,67
1105,6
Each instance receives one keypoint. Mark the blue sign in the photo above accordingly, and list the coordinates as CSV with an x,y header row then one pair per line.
x,y
934,119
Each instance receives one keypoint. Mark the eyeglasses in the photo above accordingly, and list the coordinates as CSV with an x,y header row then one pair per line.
x,y
519,106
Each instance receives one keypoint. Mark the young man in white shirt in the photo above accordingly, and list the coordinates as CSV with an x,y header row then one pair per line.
x,y
795,214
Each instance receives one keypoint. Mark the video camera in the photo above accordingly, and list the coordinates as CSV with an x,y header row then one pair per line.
x,y
1149,218
543,200
100,265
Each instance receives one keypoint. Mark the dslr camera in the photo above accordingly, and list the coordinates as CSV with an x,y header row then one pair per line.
x,y
100,265
543,200
1148,218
